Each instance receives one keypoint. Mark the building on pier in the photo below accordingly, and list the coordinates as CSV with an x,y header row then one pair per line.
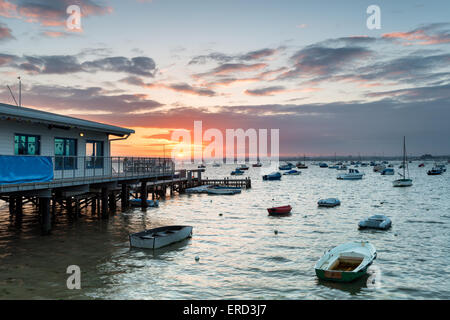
x,y
51,159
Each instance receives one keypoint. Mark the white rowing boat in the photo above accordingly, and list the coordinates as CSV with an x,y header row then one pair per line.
x,y
346,262
160,237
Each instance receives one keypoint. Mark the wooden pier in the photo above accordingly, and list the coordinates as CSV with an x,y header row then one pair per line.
x,y
100,195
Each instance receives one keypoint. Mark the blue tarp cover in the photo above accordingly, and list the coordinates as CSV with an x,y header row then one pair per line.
x,y
25,169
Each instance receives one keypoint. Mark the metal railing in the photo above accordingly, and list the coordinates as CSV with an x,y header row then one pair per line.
x,y
83,167
71,167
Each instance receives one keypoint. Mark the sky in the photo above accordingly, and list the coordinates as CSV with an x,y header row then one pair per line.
x,y
312,69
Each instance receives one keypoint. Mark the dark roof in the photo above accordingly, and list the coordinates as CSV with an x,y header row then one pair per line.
x,y
37,116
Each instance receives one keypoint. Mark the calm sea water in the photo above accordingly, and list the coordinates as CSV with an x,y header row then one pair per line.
x,y
240,255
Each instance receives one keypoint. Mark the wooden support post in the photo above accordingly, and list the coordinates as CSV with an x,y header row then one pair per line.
x,y
53,207
69,206
44,209
112,201
12,205
124,196
104,203
94,205
144,195
77,208
19,205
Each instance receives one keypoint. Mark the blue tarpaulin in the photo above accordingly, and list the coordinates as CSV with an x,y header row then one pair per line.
x,y
25,169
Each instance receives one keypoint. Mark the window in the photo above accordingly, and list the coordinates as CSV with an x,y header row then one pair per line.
x,y
25,144
94,154
65,154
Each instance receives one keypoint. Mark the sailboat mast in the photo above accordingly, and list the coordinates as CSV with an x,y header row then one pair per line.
x,y
404,157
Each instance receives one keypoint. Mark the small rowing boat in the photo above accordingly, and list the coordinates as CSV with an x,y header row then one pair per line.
x,y
272,176
375,222
292,173
159,237
237,172
346,262
276,211
138,202
219,190
330,202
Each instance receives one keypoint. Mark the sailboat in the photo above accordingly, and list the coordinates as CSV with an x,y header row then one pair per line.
x,y
302,165
404,182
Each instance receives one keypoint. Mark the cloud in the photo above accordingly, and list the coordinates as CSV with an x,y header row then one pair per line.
x,y
225,58
70,100
317,60
64,64
179,87
184,88
6,59
143,66
5,33
267,91
215,56
322,127
49,12
431,34
429,93
259,54
228,68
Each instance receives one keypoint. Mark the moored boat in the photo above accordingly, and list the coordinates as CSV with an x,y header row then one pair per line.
x,y
257,165
403,182
243,167
323,165
138,202
434,172
330,202
279,210
287,166
221,190
159,237
352,174
237,172
292,173
379,168
300,165
387,172
346,262
375,222
272,176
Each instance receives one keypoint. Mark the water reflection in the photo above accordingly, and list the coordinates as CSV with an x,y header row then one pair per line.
x,y
240,254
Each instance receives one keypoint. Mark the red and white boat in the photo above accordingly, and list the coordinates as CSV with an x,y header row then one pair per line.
x,y
279,210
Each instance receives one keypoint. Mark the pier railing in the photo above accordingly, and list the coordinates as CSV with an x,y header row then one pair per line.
x,y
78,167
72,167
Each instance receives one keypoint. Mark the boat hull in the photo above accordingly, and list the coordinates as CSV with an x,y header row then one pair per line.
x,y
160,237
138,203
279,210
340,276
346,262
350,177
402,183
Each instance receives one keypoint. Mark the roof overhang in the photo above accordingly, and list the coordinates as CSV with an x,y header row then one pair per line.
x,y
53,120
